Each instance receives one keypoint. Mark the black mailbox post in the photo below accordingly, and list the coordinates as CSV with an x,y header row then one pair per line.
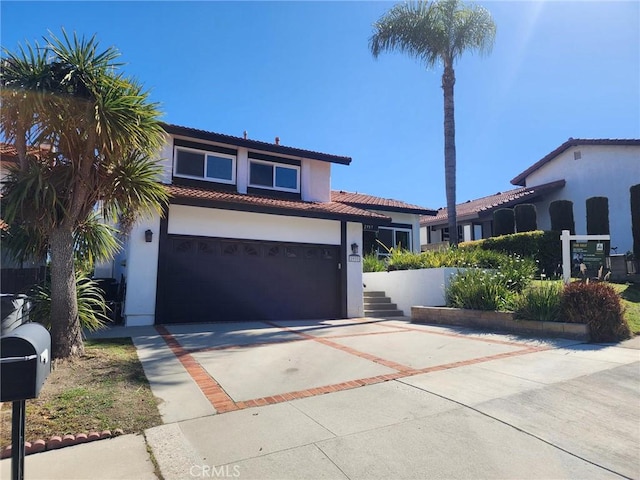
x,y
25,363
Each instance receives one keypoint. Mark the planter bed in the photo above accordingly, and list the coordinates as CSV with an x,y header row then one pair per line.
x,y
500,321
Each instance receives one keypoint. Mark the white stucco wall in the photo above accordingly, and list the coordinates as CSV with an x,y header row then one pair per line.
x,y
141,272
602,171
409,288
209,222
315,179
355,302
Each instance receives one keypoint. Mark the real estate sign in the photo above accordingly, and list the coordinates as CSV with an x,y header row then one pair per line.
x,y
591,254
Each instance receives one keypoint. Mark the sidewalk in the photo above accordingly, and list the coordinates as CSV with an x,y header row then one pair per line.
x,y
462,404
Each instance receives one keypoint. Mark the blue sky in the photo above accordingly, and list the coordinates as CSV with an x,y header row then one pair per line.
x,y
303,71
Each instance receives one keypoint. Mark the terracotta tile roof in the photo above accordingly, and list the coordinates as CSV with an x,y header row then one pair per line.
x,y
233,200
572,142
8,152
362,200
254,144
473,208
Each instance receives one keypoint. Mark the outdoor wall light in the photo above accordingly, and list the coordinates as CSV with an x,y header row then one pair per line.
x,y
148,236
354,248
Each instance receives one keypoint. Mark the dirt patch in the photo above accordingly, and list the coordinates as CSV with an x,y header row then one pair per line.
x,y
104,390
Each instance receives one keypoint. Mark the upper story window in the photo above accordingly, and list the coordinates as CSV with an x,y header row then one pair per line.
x,y
274,176
204,165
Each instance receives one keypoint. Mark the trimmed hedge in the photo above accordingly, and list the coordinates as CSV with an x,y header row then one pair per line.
x,y
543,247
503,222
597,216
561,213
526,218
634,193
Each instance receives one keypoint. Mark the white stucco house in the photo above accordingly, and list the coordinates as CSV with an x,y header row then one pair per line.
x,y
576,170
253,231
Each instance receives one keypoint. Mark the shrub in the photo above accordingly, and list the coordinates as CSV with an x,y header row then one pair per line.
x,y
540,302
526,217
634,193
92,309
503,222
597,305
479,290
371,263
544,247
561,214
597,216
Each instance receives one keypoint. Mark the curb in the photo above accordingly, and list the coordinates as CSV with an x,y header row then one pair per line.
x,y
58,441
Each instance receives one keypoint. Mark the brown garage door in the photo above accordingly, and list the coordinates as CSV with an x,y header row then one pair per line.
x,y
212,280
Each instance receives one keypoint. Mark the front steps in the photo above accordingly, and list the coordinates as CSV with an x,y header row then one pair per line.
x,y
377,304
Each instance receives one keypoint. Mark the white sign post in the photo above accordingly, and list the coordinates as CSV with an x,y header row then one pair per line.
x,y
566,238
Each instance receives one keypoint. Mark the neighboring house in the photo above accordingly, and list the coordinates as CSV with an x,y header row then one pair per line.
x,y
576,170
253,232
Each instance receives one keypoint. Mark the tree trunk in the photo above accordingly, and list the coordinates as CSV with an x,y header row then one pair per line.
x,y
448,81
66,333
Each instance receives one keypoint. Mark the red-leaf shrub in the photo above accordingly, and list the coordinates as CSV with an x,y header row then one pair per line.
x,y
598,305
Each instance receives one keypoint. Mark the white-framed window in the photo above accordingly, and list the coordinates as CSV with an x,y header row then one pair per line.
x,y
394,237
274,176
204,165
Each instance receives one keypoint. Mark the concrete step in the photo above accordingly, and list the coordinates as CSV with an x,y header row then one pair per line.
x,y
377,300
374,294
383,313
380,306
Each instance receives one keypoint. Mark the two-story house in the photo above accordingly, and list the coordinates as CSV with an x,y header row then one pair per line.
x,y
253,232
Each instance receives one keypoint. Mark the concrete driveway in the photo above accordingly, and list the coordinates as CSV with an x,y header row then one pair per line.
x,y
367,398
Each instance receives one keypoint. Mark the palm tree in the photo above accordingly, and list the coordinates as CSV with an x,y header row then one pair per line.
x,y
93,132
437,33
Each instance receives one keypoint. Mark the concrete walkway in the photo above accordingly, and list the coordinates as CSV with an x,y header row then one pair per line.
x,y
365,398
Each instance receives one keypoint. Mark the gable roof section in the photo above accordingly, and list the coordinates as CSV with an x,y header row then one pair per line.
x,y
485,205
361,200
255,203
254,144
9,154
572,142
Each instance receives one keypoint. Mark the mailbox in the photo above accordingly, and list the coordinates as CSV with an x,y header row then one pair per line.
x,y
25,362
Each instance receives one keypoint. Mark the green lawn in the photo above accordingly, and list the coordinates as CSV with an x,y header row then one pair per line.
x,y
630,294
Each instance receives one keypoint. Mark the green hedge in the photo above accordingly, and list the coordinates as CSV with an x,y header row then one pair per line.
x,y
634,192
503,222
561,213
543,247
597,216
526,217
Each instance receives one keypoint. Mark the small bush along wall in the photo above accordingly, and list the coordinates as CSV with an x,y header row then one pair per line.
x,y
561,214
597,305
634,193
597,216
526,217
503,222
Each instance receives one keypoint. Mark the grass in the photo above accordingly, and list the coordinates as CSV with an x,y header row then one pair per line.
x,y
630,294
104,390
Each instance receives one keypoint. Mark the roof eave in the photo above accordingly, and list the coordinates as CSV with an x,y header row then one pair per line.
x,y
254,144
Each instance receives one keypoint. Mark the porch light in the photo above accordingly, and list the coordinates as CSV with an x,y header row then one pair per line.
x,y
354,248
148,236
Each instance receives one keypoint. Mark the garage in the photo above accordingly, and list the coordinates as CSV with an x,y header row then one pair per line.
x,y
204,279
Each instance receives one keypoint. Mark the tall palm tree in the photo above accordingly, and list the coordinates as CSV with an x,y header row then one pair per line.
x,y
437,33
94,131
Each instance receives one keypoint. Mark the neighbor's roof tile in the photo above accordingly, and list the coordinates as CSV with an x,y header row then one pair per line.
x,y
473,208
